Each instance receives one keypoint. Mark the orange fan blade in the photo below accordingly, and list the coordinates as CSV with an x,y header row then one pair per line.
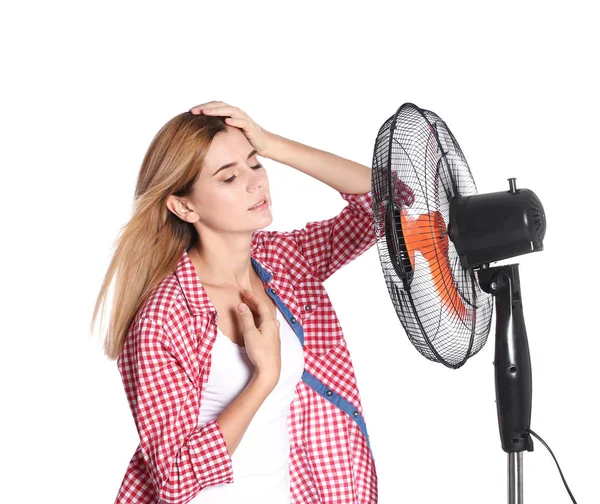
x,y
428,235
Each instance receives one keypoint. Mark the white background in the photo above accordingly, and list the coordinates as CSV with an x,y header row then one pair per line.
x,y
87,85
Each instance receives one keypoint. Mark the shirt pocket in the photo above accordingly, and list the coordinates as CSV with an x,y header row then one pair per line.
x,y
320,324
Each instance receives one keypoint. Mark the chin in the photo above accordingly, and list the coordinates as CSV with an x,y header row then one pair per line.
x,y
265,221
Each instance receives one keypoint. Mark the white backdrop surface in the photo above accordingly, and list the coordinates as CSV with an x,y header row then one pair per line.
x,y
87,85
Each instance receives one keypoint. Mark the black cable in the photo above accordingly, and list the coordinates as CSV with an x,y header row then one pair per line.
x,y
561,474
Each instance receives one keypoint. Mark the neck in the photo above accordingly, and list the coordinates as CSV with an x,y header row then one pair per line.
x,y
227,268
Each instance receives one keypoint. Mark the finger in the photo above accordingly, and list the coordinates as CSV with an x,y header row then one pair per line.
x,y
198,108
258,305
223,110
246,317
238,122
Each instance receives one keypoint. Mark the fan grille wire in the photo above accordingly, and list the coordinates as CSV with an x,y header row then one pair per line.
x,y
441,306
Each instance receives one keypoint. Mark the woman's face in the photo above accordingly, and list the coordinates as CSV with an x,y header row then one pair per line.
x,y
222,197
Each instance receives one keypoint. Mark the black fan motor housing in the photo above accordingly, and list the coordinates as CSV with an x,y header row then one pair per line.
x,y
494,226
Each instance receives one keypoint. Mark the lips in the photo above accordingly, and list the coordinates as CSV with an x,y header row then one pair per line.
x,y
258,203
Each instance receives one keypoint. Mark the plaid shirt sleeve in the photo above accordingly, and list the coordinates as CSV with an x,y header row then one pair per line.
x,y
181,458
329,244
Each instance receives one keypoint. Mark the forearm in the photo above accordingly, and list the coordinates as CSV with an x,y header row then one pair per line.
x,y
337,172
235,418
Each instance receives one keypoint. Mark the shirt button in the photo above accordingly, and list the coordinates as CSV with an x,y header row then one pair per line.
x,y
329,392
293,320
355,413
273,291
307,307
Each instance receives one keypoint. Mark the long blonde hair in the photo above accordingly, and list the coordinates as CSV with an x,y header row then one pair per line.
x,y
150,244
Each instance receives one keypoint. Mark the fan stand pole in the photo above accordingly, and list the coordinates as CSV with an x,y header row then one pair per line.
x,y
512,370
515,478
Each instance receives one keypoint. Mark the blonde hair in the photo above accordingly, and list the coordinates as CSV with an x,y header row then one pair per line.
x,y
150,244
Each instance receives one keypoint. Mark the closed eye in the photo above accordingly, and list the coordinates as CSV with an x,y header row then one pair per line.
x,y
230,180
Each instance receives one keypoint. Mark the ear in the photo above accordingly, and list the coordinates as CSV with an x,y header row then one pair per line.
x,y
180,207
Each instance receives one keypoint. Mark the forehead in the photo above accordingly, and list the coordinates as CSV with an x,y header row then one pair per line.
x,y
226,148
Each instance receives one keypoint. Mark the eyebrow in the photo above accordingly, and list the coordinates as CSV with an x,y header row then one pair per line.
x,y
234,163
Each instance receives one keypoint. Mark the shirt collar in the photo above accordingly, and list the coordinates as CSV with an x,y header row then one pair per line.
x,y
193,290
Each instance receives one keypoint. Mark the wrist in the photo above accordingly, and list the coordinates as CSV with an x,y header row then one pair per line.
x,y
263,381
273,145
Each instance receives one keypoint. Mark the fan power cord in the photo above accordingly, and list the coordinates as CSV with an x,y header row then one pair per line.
x,y
561,474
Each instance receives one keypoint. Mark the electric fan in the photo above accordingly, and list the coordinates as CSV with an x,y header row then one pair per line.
x,y
435,249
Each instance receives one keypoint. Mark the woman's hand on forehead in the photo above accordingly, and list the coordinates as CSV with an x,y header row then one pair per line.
x,y
262,140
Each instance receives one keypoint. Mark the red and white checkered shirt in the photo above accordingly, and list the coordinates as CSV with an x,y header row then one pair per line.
x,y
166,361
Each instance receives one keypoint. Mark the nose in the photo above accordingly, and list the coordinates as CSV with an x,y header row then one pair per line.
x,y
259,182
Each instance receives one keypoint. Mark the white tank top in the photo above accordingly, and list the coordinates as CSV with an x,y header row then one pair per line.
x,y
261,460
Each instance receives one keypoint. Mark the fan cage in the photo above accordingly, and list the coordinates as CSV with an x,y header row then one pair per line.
x,y
441,306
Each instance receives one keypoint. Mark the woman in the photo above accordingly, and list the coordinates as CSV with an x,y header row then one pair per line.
x,y
232,358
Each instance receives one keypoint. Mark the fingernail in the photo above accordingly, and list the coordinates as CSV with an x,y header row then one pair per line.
x,y
242,307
